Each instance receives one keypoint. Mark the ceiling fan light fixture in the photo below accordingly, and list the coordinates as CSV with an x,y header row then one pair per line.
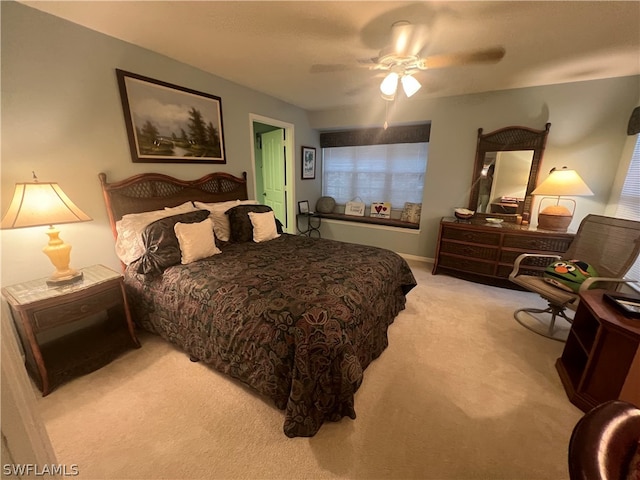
x,y
389,85
410,85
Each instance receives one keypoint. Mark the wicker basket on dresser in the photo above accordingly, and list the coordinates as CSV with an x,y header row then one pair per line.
x,y
484,253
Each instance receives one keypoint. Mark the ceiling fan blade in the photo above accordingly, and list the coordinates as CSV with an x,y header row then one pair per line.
x,y
490,55
330,68
407,40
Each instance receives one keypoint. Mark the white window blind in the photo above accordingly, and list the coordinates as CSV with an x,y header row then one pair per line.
x,y
375,173
629,201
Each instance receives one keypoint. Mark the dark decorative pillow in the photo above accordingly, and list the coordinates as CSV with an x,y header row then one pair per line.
x,y
162,249
241,226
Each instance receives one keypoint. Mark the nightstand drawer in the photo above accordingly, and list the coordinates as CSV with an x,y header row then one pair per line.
x,y
72,311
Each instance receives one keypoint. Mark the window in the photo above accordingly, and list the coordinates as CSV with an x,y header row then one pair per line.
x,y
629,201
375,173
375,165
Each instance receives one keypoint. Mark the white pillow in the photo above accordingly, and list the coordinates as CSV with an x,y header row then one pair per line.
x,y
264,226
186,207
221,225
196,240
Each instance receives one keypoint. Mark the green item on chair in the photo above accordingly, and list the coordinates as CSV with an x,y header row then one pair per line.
x,y
569,274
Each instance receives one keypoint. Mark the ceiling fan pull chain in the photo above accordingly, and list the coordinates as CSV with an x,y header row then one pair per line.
x,y
386,115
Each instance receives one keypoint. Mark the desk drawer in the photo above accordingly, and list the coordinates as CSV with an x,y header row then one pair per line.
x,y
72,311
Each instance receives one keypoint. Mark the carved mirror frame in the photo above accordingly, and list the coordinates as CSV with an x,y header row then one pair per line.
x,y
510,139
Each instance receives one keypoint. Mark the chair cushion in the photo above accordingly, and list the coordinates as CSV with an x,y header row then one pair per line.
x,y
553,294
569,274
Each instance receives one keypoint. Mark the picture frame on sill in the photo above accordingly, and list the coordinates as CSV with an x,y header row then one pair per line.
x,y
308,163
303,207
167,123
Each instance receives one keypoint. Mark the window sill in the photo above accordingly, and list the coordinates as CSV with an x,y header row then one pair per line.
x,y
390,222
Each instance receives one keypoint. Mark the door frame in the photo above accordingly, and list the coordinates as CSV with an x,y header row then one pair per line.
x,y
289,163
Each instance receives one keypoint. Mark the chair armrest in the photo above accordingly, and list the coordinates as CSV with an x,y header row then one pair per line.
x,y
591,280
522,256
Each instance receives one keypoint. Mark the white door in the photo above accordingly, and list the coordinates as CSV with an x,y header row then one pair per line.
x,y
273,173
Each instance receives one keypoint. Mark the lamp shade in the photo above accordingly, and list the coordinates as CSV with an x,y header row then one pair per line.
x,y
410,85
37,204
559,183
389,84
563,182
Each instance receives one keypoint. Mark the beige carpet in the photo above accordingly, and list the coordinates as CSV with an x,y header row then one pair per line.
x,y
462,392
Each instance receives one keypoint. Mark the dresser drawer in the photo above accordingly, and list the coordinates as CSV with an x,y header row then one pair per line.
x,y
485,238
470,250
509,256
536,243
72,311
467,265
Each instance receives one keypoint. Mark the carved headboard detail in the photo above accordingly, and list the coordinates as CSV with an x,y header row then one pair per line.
x,y
154,191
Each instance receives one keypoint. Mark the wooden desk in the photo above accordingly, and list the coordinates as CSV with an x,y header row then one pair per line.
x,y
600,360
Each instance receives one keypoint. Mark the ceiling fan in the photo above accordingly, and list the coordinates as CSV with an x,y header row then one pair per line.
x,y
402,59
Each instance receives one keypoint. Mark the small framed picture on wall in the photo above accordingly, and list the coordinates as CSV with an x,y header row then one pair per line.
x,y
308,163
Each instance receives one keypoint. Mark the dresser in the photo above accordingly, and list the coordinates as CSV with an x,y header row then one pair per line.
x,y
482,252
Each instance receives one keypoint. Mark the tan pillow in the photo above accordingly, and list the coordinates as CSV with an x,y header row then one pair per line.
x,y
196,241
264,226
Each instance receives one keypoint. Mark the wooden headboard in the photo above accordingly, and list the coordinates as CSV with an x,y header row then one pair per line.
x,y
154,191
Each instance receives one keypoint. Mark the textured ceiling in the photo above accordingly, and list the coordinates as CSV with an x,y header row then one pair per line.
x,y
273,47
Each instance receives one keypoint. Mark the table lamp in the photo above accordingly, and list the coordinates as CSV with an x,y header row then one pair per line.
x,y
37,204
559,183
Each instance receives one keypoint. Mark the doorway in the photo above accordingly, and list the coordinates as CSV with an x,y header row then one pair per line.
x,y
273,157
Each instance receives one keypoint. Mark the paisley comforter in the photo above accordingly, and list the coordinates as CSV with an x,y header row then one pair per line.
x,y
298,319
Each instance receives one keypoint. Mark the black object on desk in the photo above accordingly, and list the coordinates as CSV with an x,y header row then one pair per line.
x,y
629,305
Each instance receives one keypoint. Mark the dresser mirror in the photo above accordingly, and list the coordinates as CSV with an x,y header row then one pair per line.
x,y
506,170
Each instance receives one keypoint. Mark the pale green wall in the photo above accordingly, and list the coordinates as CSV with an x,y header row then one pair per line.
x,y
62,117
588,133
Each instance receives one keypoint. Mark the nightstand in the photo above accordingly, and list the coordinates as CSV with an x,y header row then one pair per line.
x,y
73,329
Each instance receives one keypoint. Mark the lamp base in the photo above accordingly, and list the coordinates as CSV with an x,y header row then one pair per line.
x,y
554,223
556,218
72,277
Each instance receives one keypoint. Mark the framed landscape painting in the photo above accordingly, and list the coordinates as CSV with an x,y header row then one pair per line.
x,y
171,124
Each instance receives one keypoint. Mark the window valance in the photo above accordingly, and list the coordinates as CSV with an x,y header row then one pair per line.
x,y
376,136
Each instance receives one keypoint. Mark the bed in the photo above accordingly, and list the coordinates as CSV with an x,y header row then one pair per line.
x,y
297,319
